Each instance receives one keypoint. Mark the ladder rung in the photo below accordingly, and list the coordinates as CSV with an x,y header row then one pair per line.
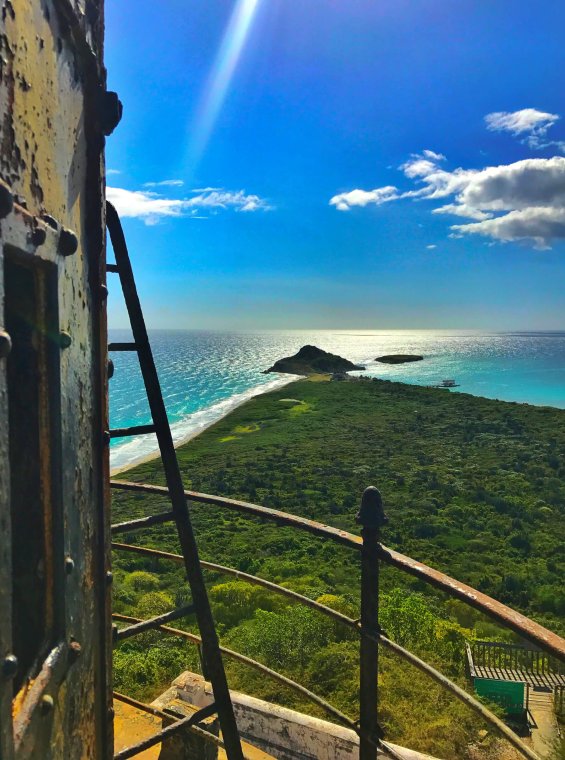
x,y
122,346
112,268
135,430
142,522
155,622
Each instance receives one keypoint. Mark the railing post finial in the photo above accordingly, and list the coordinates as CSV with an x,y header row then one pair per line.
x,y
371,513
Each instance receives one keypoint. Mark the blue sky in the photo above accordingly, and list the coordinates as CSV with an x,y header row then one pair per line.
x,y
372,164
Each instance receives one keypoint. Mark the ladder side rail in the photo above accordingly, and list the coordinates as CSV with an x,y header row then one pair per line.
x,y
175,486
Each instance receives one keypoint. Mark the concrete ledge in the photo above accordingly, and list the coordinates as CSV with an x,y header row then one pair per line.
x,y
285,734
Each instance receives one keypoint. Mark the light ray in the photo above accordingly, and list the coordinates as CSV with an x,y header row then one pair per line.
x,y
221,75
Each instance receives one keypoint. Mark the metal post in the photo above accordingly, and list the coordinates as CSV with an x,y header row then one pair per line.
x,y
371,517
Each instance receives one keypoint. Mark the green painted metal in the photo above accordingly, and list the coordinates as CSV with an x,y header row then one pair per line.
x,y
508,694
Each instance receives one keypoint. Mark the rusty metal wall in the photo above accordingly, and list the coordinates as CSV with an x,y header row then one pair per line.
x,y
53,117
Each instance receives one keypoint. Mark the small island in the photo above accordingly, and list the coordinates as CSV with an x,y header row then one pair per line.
x,y
311,360
399,358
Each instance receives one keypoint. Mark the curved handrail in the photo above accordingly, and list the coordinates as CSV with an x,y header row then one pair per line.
x,y
519,623
193,638
423,666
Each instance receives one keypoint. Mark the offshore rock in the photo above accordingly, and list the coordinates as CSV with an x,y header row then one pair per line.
x,y
399,358
311,360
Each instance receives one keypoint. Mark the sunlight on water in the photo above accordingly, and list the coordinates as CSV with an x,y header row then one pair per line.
x,y
206,374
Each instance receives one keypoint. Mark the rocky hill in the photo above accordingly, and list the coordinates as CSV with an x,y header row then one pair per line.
x,y
311,360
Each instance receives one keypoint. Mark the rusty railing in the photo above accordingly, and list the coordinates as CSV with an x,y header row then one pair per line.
x,y
371,518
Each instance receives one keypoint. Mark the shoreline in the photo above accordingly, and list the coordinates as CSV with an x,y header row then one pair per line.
x,y
230,404
237,400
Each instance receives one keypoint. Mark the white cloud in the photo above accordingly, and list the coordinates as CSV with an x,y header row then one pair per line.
x,y
518,122
528,123
346,201
540,224
151,207
165,183
431,247
205,189
460,209
112,171
521,201
433,155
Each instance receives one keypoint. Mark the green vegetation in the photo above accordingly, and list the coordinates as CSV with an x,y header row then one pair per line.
x,y
471,486
311,360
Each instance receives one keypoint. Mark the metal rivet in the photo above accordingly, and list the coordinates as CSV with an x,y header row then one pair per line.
x,y
6,200
65,339
69,565
109,578
105,437
47,704
38,236
75,650
5,344
110,369
103,292
114,633
68,242
51,221
10,666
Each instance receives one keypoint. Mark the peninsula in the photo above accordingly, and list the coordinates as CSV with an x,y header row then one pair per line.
x,y
311,360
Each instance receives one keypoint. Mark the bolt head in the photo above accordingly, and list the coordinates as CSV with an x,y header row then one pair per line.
x,y
5,344
75,650
110,369
38,236
65,340
69,565
10,666
46,704
6,200
51,221
109,577
68,242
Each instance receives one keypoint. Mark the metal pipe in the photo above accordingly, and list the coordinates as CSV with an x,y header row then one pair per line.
x,y
126,699
337,714
154,622
142,522
370,516
166,733
423,666
508,617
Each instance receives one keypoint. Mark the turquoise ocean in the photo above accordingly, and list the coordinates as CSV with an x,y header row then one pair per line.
x,y
206,374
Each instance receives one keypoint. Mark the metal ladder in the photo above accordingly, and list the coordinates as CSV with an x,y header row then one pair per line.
x,y
180,514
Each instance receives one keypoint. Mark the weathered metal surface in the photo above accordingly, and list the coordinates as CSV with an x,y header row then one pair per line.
x,y
142,522
423,666
210,644
508,617
51,164
371,517
155,622
9,660
131,431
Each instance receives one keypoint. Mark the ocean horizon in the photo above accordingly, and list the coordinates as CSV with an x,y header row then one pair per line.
x,y
205,374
